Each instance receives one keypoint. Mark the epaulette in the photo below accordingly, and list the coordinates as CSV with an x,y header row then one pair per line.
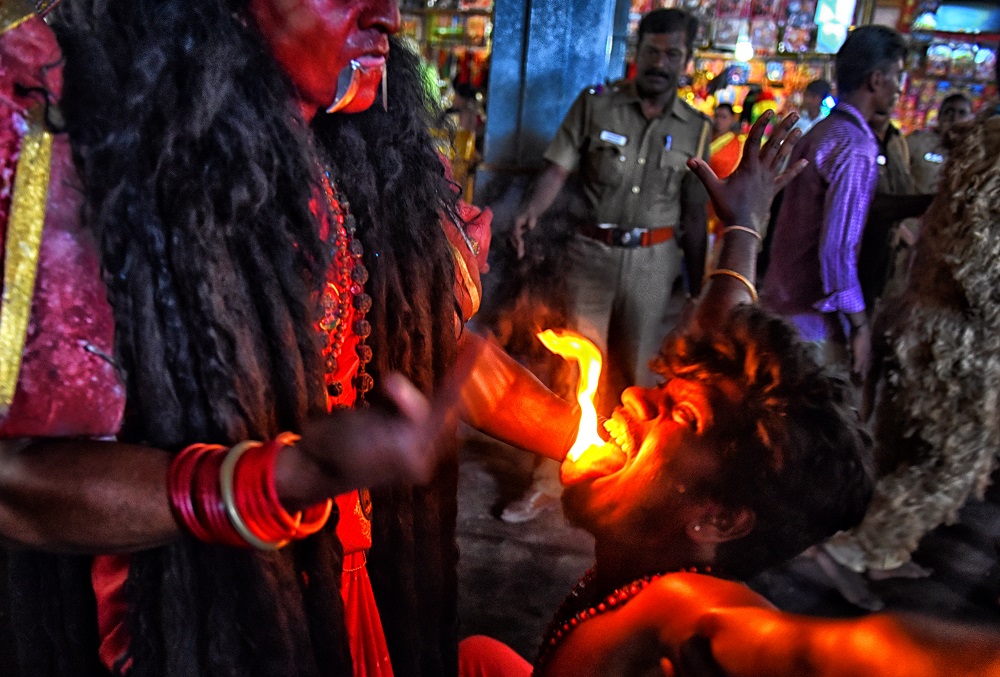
x,y
704,117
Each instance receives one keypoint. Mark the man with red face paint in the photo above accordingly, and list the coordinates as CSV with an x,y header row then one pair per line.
x,y
200,261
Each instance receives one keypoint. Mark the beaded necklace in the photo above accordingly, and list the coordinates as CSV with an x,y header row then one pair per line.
x,y
575,609
344,289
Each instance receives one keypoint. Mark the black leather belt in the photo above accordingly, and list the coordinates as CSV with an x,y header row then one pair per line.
x,y
615,236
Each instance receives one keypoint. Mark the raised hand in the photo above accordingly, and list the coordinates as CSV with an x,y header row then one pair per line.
x,y
523,225
745,197
354,449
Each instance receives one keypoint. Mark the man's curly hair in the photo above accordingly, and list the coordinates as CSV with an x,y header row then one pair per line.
x,y
792,448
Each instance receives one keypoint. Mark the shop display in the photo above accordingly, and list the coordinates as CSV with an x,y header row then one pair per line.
x,y
782,34
801,27
455,40
953,50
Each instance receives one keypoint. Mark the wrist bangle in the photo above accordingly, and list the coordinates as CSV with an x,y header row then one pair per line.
x,y
227,473
732,273
228,496
742,229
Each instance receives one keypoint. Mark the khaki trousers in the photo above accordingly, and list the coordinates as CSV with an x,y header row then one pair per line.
x,y
618,300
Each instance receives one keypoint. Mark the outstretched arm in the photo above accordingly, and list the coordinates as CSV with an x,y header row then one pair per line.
x,y
742,202
753,642
504,400
87,496
540,197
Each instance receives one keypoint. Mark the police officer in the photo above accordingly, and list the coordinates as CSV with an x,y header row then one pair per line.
x,y
927,151
630,143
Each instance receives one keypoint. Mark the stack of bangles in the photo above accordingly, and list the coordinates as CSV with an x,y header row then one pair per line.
x,y
228,496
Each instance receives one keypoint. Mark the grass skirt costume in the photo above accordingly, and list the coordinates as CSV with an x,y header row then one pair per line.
x,y
936,419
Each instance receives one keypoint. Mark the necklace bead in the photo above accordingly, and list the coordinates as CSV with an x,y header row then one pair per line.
x,y
575,610
343,291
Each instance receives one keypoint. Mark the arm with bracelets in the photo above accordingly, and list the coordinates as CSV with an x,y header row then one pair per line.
x,y
88,496
742,202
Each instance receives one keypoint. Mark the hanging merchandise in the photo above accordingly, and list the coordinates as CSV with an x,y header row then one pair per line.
x,y
953,51
455,39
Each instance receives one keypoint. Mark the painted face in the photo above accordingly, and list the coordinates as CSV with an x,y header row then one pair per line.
x,y
660,61
314,41
664,433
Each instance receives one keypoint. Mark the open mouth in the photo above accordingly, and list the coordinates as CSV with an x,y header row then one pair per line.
x,y
623,434
612,457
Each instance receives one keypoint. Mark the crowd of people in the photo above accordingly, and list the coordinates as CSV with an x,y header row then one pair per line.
x,y
233,352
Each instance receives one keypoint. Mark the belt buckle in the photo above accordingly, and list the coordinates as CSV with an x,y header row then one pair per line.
x,y
629,239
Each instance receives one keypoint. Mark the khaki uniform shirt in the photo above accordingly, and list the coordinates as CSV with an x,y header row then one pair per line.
x,y
633,170
894,176
927,158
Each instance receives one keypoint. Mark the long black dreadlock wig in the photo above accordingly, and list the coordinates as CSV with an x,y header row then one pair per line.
x,y
388,165
198,174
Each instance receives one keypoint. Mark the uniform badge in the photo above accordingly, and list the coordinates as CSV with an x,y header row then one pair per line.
x,y
616,139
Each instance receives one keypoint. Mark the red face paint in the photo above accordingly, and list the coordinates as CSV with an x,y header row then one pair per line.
x,y
315,40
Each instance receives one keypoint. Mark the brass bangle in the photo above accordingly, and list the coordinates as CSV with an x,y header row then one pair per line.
x,y
226,473
742,229
732,273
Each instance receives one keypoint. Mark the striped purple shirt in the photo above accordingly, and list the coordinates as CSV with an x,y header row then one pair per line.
x,y
813,272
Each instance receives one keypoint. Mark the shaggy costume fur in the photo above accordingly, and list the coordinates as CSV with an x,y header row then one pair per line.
x,y
937,424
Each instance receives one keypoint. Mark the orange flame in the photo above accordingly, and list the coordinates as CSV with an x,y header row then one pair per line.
x,y
572,346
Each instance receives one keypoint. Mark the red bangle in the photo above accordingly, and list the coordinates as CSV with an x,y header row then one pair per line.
x,y
262,509
247,510
179,483
209,499
258,501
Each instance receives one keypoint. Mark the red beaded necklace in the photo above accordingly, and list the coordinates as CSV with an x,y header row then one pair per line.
x,y
574,609
344,289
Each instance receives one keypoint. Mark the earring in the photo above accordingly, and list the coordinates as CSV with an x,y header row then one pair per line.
x,y
697,527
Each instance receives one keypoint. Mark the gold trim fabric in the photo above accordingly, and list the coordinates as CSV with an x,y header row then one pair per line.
x,y
467,281
24,243
13,13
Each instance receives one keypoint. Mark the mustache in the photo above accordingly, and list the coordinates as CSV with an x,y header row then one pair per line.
x,y
656,71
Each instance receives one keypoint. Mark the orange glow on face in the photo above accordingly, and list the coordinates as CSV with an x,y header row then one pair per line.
x,y
572,346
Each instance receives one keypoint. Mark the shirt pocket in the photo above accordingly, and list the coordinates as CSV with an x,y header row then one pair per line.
x,y
670,172
604,163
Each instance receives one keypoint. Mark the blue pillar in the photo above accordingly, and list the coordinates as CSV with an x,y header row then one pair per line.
x,y
544,53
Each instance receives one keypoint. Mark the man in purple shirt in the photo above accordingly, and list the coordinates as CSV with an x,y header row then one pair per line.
x,y
813,278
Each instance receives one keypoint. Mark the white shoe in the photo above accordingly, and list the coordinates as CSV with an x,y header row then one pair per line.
x,y
529,507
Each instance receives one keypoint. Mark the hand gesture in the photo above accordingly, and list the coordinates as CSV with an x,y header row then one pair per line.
x,y
354,449
745,197
523,224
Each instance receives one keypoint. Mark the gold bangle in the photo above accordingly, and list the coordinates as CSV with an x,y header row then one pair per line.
x,y
732,273
743,229
226,473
